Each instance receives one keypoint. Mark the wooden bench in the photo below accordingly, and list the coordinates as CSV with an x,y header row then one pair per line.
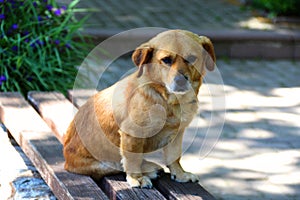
x,y
38,125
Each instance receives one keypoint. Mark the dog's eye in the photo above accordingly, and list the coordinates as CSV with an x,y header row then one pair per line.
x,y
167,60
191,59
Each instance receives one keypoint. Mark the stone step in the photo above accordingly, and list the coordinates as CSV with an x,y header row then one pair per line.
x,y
242,44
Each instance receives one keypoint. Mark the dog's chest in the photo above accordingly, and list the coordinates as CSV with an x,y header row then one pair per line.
x,y
178,119
181,114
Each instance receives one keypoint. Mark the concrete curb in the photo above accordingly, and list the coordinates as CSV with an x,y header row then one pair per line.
x,y
232,43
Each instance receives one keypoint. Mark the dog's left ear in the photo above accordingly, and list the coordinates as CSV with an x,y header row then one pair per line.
x,y
141,56
210,57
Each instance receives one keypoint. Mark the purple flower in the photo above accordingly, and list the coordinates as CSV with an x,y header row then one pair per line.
x,y
40,42
15,48
33,45
57,42
1,1
57,12
2,79
36,43
39,18
68,46
2,16
24,33
49,7
63,7
34,4
15,26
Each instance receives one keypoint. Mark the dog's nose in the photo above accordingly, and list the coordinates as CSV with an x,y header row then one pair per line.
x,y
180,80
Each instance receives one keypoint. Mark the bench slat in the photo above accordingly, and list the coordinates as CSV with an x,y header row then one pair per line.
x,y
183,191
169,188
79,97
118,188
43,149
114,189
49,104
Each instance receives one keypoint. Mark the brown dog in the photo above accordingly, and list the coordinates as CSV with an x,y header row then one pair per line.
x,y
142,113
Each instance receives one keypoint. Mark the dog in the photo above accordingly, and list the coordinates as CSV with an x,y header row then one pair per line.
x,y
145,112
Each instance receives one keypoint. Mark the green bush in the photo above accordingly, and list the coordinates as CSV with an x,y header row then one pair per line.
x,y
40,45
279,7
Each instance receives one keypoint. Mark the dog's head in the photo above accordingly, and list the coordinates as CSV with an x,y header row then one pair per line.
x,y
177,59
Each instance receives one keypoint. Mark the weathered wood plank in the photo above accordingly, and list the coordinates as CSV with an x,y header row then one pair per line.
x,y
114,186
182,191
169,188
80,96
45,103
44,150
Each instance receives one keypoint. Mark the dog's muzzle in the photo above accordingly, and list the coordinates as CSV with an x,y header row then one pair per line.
x,y
179,85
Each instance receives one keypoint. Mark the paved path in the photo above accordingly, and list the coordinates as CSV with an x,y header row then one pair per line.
x,y
117,14
213,15
257,156
231,25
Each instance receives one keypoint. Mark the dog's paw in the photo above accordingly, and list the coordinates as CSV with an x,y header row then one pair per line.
x,y
143,182
185,177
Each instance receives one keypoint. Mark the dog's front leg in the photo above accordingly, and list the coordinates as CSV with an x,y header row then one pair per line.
x,y
132,159
172,154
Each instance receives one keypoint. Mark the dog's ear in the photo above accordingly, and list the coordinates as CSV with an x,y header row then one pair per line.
x,y
210,57
142,55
